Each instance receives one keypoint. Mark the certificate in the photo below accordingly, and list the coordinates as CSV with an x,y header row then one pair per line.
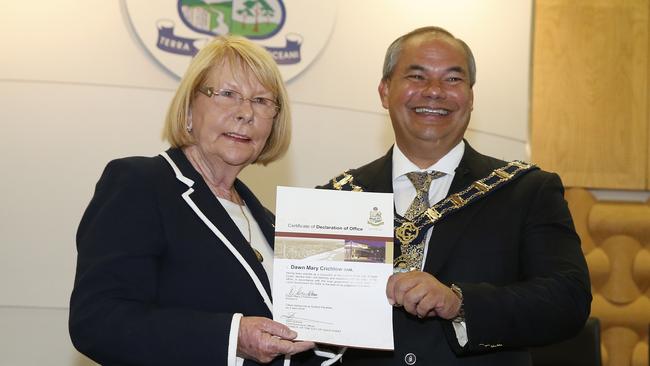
x,y
333,257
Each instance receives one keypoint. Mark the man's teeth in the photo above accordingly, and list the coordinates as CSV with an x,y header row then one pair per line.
x,y
438,111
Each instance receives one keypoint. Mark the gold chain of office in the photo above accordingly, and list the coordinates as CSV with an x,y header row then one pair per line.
x,y
408,230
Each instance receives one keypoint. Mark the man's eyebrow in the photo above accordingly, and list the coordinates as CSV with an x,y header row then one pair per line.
x,y
457,69
417,67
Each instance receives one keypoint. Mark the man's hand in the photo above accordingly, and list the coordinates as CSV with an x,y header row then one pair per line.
x,y
422,295
262,340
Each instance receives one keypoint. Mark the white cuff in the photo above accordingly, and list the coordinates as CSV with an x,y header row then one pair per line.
x,y
232,359
461,333
331,356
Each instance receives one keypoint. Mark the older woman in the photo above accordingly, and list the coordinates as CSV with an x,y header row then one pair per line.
x,y
174,251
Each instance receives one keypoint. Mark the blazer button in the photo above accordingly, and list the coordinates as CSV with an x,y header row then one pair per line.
x,y
410,359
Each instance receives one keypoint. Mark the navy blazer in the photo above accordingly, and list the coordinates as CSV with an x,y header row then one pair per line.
x,y
515,255
154,284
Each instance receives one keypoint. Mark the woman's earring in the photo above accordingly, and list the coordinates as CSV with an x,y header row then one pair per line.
x,y
188,126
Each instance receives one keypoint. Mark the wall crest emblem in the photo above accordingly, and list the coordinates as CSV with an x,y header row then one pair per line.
x,y
175,30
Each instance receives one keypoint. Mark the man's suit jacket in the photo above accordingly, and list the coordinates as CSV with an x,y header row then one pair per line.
x,y
516,257
154,284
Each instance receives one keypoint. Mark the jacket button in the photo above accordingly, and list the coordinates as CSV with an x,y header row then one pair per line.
x,y
410,359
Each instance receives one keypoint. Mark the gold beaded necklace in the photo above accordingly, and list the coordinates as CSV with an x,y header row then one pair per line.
x,y
230,195
258,255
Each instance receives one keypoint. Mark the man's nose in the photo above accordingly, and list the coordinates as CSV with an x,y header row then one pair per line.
x,y
434,89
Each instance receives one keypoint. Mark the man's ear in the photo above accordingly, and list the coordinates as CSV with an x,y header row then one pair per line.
x,y
471,100
383,92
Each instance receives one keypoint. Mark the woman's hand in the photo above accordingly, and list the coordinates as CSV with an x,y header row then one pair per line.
x,y
262,340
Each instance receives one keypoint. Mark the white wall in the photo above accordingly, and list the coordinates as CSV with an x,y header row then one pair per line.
x,y
77,89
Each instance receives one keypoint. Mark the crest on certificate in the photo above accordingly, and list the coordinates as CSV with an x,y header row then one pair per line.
x,y
375,218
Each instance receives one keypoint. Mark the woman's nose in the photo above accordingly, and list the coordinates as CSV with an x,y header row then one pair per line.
x,y
244,112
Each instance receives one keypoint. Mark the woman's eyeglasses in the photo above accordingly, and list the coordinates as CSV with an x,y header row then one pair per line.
x,y
263,107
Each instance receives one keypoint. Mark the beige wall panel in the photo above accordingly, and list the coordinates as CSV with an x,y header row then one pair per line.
x,y
616,242
590,91
623,339
600,267
621,287
580,202
607,219
640,353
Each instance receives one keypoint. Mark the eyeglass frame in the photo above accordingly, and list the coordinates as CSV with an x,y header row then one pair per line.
x,y
209,91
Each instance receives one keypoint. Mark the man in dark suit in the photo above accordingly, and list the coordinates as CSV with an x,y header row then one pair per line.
x,y
495,265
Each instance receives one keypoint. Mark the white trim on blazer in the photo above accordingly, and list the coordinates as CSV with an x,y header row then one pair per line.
x,y
232,355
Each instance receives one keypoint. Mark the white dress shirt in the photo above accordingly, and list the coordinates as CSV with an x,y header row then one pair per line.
x,y
404,193
258,240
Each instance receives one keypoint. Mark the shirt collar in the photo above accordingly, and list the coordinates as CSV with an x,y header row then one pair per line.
x,y
447,164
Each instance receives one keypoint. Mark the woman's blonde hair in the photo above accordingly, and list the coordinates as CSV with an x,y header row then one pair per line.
x,y
234,50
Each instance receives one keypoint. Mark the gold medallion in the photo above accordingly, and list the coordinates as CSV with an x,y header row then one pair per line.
x,y
406,232
258,255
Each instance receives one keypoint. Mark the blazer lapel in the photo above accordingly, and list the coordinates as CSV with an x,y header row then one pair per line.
x,y
376,176
216,214
447,232
265,220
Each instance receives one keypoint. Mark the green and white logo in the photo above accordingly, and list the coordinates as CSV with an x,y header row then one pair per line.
x,y
293,31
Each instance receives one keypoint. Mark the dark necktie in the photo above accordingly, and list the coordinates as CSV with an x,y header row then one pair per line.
x,y
421,181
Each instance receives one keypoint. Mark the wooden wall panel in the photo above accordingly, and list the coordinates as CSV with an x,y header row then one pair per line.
x,y
616,243
589,117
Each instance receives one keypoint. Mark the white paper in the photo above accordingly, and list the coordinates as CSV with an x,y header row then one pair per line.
x,y
333,257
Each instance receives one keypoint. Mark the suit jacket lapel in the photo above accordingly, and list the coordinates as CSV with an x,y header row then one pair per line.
x,y
472,166
207,203
446,233
376,176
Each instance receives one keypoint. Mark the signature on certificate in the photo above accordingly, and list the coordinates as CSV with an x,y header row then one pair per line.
x,y
298,292
292,316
